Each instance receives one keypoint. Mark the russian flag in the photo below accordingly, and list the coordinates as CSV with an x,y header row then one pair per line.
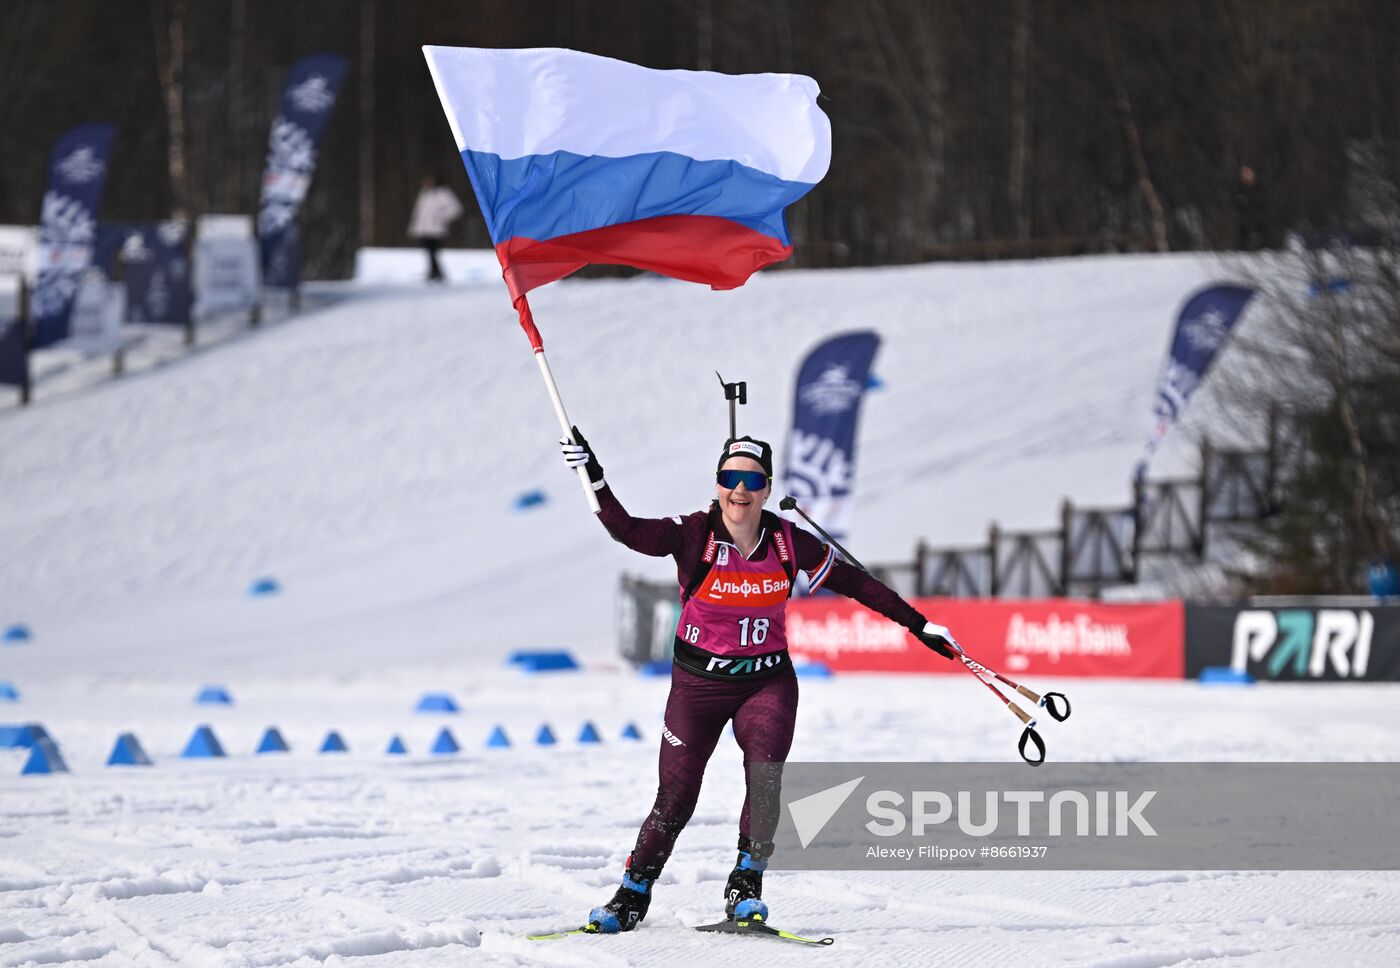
x,y
578,159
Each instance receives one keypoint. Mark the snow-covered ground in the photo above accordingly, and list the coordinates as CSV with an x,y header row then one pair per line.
x,y
400,265
367,454
362,858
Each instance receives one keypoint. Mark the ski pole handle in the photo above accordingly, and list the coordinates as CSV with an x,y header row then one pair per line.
x,y
1049,700
1029,737
1055,703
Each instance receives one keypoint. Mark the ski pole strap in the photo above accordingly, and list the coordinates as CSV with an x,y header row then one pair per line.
x,y
1049,701
1030,736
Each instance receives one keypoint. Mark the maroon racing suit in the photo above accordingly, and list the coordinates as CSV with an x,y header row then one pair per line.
x,y
745,674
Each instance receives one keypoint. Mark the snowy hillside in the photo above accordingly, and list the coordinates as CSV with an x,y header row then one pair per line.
x,y
368,454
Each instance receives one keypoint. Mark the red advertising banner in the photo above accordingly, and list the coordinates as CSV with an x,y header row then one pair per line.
x,y
1048,637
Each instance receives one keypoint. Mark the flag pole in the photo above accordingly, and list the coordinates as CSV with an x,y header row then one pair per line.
x,y
527,323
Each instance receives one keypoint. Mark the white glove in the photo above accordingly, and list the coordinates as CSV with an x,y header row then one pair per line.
x,y
939,639
576,455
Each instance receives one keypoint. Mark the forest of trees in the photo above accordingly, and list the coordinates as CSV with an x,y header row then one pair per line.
x,y
962,128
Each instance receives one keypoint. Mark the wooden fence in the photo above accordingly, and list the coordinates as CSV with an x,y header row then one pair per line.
x,y
1096,548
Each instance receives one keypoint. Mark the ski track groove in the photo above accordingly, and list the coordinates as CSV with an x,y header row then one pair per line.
x,y
451,872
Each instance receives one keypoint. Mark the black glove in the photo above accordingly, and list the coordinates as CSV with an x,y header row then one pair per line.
x,y
577,454
939,639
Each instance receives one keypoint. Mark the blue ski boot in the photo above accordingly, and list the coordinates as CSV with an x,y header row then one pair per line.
x,y
743,900
628,906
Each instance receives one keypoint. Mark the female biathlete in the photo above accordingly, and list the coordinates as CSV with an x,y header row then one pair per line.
x,y
735,564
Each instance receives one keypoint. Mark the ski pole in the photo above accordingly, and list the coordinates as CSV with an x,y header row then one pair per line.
x,y
1047,701
1029,734
789,503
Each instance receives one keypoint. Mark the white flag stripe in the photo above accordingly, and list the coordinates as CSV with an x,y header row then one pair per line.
x,y
514,103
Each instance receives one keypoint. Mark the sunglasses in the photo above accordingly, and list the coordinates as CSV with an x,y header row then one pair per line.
x,y
753,480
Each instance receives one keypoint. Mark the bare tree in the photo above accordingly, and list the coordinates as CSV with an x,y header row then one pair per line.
x,y
368,41
1329,360
1132,135
238,101
168,29
20,26
1003,125
1020,117
704,34
1350,349
901,62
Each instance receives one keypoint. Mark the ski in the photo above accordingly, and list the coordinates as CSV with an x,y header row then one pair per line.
x,y
761,930
754,928
555,935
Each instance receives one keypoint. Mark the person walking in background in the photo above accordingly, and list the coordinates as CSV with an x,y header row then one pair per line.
x,y
433,213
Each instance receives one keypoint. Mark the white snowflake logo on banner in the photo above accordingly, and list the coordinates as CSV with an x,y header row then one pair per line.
x,y
1207,331
817,467
290,147
82,166
65,221
1178,384
291,157
313,94
54,292
819,475
134,249
832,392
171,233
276,215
